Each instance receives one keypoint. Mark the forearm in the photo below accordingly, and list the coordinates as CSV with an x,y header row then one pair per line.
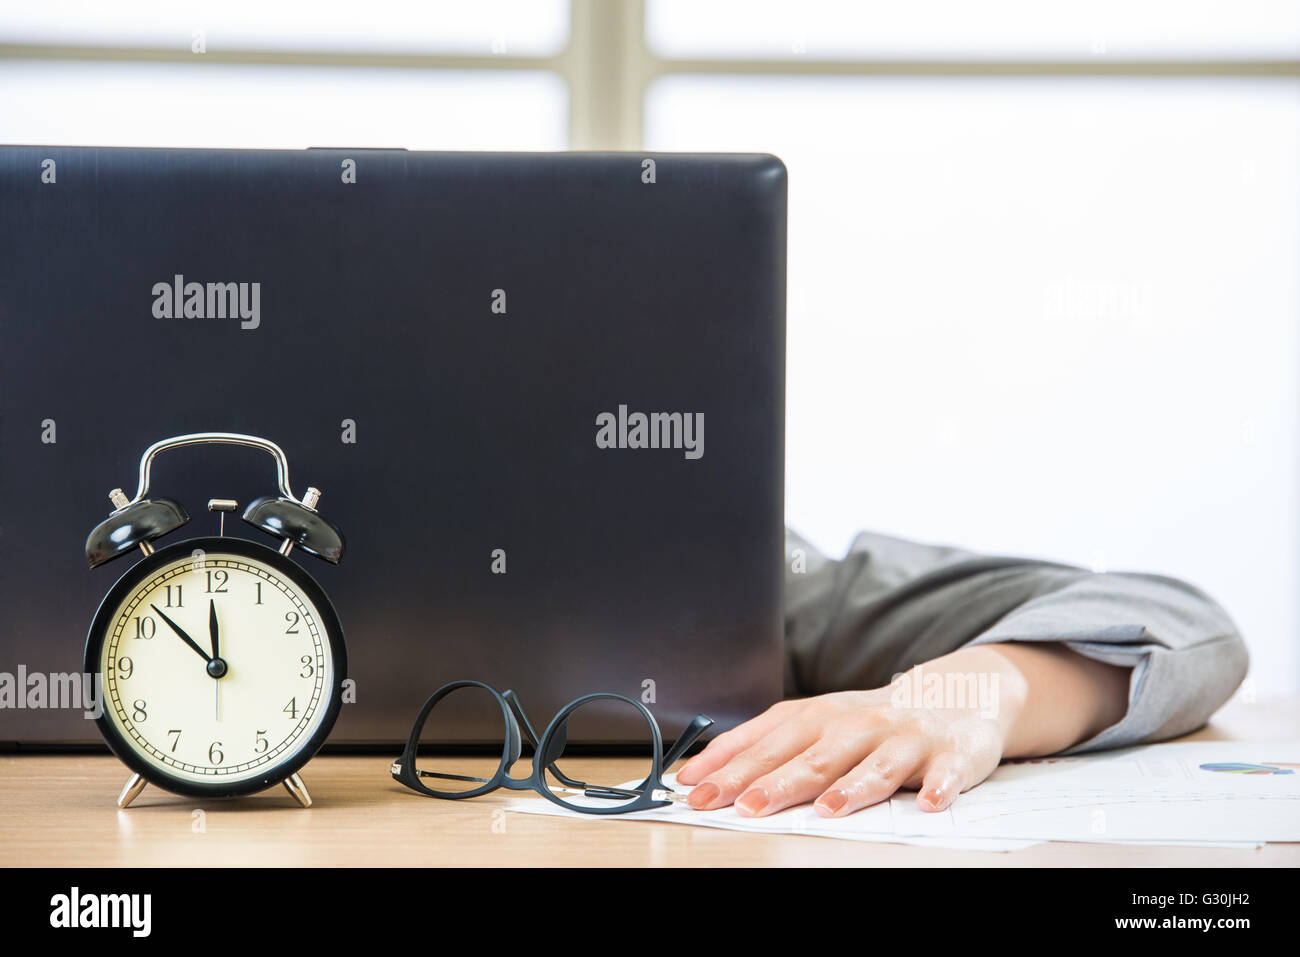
x,y
1047,698
1073,637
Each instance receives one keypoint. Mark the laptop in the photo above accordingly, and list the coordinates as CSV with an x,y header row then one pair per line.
x,y
462,351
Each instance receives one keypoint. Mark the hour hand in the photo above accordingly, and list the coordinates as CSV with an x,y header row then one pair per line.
x,y
181,633
213,631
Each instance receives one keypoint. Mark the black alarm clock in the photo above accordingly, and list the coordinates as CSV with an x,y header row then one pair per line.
x,y
222,660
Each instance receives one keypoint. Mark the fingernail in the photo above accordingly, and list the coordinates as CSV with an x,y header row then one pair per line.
x,y
830,803
685,768
753,801
933,799
703,796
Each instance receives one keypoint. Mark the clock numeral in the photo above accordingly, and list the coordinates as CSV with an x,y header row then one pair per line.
x,y
145,627
179,603
139,715
291,709
307,670
262,743
292,618
125,667
220,577
259,593
176,740
214,753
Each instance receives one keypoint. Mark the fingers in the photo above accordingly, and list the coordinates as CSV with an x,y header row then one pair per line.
x,y
724,785
845,750
730,743
883,772
949,773
840,747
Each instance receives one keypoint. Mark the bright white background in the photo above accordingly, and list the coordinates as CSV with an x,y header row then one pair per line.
x,y
519,27
974,29
1055,317
1045,315
57,103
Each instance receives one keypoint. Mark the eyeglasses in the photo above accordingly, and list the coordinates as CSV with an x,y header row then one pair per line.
x,y
458,702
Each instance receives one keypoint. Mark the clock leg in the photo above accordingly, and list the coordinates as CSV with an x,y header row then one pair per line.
x,y
293,784
134,785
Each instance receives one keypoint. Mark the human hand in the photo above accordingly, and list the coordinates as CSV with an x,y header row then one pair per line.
x,y
847,750
851,749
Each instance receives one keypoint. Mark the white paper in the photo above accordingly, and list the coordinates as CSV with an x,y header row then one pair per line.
x,y
869,824
1220,793
1163,793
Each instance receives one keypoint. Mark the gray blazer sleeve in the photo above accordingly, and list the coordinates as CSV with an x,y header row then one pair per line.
x,y
890,604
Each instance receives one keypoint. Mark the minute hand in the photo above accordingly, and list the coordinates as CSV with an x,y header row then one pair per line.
x,y
181,633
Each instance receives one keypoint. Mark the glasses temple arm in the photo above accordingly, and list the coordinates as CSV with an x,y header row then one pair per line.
x,y
448,777
699,724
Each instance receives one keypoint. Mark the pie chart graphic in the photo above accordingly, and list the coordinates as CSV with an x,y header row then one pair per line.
x,y
1272,767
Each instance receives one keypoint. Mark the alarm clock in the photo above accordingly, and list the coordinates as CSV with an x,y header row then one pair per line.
x,y
221,660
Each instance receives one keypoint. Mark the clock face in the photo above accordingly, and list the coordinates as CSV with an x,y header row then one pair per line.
x,y
219,661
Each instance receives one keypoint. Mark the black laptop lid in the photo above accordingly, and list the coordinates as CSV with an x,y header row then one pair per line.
x,y
453,347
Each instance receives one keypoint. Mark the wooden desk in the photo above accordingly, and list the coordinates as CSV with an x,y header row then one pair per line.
x,y
59,811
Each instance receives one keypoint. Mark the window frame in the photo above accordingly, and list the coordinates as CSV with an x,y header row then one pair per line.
x,y
608,67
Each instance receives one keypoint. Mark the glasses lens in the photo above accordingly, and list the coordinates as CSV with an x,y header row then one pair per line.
x,y
581,782
461,742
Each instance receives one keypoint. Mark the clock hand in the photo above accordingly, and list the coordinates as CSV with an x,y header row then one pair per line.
x,y
215,634
213,631
184,637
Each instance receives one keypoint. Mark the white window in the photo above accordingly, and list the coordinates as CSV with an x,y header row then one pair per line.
x,y
112,103
517,27
1041,301
423,74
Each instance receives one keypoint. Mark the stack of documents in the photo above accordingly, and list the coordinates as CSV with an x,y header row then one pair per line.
x,y
1221,793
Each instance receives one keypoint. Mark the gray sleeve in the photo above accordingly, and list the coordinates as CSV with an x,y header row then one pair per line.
x,y
891,604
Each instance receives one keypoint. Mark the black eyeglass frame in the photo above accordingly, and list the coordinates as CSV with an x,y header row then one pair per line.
x,y
547,749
